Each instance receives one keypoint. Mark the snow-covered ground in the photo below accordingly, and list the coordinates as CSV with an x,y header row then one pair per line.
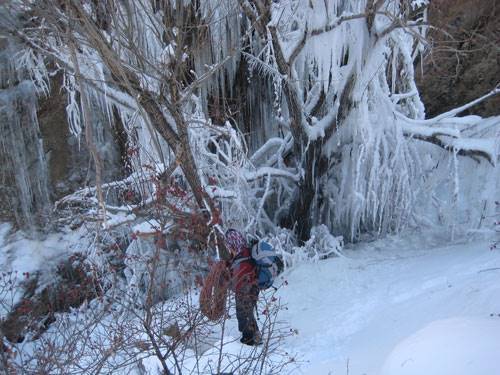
x,y
404,305
22,255
458,346
352,312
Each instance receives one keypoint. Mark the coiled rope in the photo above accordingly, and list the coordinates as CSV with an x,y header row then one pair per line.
x,y
213,295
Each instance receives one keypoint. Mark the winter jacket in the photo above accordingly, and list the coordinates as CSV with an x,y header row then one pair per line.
x,y
243,271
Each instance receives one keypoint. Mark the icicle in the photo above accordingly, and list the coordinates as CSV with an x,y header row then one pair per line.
x,y
73,112
21,151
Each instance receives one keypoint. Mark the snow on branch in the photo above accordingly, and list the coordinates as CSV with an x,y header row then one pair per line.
x,y
217,192
336,23
426,131
398,23
451,138
87,195
398,97
318,31
484,148
267,147
458,110
320,128
187,92
269,171
260,66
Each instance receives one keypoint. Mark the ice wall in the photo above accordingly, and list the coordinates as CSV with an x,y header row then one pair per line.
x,y
24,191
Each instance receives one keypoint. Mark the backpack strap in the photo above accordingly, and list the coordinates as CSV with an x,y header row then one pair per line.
x,y
255,248
238,260
252,242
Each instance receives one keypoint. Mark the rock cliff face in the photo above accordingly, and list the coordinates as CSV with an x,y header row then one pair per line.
x,y
69,164
40,160
464,60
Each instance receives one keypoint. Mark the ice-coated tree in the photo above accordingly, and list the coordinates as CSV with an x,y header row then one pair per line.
x,y
134,58
336,136
346,75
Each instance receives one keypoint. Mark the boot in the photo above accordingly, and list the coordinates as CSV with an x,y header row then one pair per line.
x,y
252,341
257,338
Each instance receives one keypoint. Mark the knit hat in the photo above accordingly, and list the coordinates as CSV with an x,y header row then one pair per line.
x,y
235,242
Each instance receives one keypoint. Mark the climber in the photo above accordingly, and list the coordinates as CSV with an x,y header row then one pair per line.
x,y
244,285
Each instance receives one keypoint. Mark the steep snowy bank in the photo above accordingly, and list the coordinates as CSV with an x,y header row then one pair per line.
x,y
23,257
351,312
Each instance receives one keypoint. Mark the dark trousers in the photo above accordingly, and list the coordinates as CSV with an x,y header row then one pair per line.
x,y
246,302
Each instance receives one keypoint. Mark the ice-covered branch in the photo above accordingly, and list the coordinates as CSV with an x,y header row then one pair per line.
x,y
186,94
298,47
313,98
321,127
447,116
307,34
415,17
257,19
414,128
449,139
336,23
261,66
482,148
268,171
218,193
398,23
460,109
267,147
398,97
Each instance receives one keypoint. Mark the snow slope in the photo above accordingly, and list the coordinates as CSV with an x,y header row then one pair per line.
x,y
20,254
458,346
351,312
404,305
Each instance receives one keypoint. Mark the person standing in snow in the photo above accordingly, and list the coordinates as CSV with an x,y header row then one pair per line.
x,y
244,285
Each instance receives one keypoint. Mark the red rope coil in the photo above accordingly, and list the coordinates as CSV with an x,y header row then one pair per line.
x,y
213,295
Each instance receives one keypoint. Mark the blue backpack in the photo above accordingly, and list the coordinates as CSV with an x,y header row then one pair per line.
x,y
268,263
